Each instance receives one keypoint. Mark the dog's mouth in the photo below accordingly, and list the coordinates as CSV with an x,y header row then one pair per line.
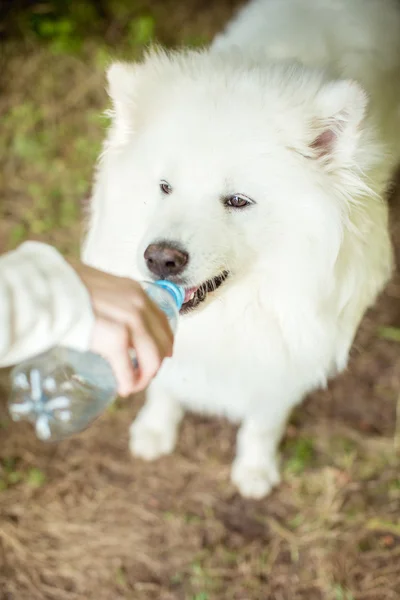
x,y
198,294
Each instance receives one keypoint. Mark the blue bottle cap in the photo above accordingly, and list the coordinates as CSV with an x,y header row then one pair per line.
x,y
176,291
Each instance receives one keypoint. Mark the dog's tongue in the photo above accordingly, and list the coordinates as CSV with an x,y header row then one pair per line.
x,y
188,293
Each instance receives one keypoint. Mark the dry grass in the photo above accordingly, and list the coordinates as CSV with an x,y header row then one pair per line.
x,y
82,520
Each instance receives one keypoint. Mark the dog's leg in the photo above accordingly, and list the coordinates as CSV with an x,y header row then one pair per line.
x,y
154,431
255,470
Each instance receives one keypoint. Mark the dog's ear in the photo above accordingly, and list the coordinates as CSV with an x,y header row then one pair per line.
x,y
340,110
122,80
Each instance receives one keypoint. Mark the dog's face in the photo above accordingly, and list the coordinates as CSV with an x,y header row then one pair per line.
x,y
214,171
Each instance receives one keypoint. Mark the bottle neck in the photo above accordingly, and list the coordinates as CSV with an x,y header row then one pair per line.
x,y
176,291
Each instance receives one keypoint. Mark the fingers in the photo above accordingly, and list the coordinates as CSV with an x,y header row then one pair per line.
x,y
111,340
134,308
126,318
147,332
152,339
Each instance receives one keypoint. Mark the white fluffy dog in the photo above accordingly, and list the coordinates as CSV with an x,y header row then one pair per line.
x,y
253,173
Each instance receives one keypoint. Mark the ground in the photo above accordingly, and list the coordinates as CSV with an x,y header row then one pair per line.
x,y
83,520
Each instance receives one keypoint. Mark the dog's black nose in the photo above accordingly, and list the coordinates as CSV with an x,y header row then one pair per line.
x,y
165,259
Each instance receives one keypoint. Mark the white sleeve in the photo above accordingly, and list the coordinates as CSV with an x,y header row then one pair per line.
x,y
43,303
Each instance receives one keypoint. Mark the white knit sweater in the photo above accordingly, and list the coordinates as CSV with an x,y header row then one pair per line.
x,y
43,303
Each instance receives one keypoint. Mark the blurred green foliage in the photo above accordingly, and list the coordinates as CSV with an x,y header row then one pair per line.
x,y
64,25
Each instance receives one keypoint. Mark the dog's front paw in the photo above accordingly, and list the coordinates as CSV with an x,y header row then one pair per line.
x,y
149,443
255,481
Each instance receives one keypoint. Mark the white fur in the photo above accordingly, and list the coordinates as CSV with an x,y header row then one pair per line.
x,y
296,105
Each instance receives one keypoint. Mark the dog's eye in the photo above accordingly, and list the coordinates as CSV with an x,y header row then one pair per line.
x,y
165,187
238,201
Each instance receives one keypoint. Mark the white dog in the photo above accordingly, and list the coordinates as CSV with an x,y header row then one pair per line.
x,y
254,173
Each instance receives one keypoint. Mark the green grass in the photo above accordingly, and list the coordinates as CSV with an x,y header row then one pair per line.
x,y
13,473
341,593
390,333
300,455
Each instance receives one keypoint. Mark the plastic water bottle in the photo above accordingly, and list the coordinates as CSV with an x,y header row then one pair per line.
x,y
63,391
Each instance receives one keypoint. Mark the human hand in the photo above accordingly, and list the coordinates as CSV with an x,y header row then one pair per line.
x,y
126,319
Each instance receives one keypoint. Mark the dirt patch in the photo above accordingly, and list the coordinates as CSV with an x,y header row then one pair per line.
x,y
82,520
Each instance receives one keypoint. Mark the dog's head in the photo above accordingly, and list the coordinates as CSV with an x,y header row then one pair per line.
x,y
214,169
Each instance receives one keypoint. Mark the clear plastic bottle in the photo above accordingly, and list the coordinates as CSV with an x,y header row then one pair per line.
x,y
63,391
